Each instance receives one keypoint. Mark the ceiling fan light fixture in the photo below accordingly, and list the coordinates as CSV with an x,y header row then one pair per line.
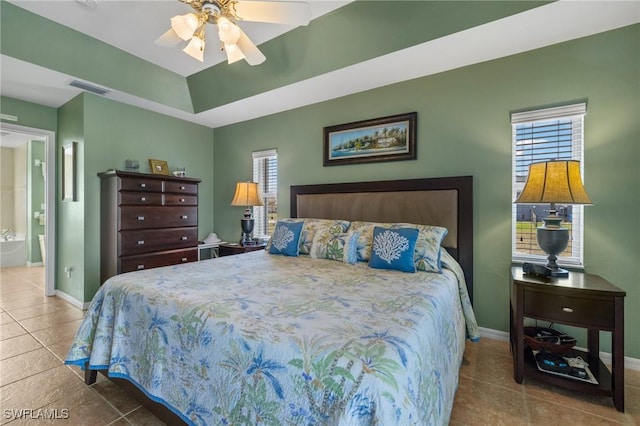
x,y
228,31
195,48
226,14
234,54
185,25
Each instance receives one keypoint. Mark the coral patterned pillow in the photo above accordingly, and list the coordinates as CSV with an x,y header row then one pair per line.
x,y
393,248
285,238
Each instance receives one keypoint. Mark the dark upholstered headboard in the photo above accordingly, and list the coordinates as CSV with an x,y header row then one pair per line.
x,y
446,202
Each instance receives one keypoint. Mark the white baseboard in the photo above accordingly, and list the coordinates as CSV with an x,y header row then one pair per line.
x,y
629,363
75,302
30,264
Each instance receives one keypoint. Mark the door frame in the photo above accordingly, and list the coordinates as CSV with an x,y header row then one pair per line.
x,y
49,197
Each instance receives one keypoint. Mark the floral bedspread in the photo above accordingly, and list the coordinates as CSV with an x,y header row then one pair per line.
x,y
264,339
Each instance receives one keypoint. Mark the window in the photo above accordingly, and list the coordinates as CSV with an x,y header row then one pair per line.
x,y
265,172
543,135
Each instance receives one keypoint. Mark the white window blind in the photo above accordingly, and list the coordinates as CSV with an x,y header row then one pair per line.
x,y
543,135
265,172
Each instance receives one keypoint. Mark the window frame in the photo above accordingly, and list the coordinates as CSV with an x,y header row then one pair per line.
x,y
575,113
260,171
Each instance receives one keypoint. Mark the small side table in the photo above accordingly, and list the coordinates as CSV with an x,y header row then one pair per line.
x,y
230,249
581,300
211,247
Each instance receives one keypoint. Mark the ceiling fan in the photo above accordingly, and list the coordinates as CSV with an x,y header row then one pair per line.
x,y
226,14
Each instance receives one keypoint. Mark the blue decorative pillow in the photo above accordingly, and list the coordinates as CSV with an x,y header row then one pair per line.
x,y
393,248
285,238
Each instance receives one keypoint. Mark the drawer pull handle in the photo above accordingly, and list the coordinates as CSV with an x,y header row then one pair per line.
x,y
184,217
143,185
182,200
141,242
565,309
140,267
184,238
182,188
143,198
140,217
184,259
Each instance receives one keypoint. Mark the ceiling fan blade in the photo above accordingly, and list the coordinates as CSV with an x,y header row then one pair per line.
x,y
252,54
168,39
292,13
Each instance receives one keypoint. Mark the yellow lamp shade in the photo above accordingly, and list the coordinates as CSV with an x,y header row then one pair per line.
x,y
554,182
247,194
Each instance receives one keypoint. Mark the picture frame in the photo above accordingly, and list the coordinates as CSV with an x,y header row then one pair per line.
x,y
158,167
391,138
69,192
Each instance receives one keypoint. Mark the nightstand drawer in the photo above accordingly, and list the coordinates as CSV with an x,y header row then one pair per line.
x,y
233,249
569,310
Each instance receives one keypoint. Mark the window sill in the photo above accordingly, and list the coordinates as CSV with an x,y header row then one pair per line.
x,y
574,266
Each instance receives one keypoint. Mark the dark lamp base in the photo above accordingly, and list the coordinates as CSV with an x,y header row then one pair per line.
x,y
545,271
247,229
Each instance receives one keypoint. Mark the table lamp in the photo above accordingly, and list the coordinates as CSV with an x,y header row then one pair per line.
x,y
552,182
248,195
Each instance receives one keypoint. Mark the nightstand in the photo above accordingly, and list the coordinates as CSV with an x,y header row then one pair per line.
x,y
212,249
235,248
581,300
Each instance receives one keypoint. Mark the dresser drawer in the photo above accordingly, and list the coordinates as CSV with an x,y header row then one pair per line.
x,y
569,310
181,188
140,198
155,260
146,217
144,185
138,242
180,200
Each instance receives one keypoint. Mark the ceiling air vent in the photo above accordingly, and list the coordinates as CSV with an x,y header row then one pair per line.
x,y
89,87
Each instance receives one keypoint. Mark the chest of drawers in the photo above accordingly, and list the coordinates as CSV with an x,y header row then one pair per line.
x,y
147,221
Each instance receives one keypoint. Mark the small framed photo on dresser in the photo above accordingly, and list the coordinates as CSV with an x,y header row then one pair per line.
x,y
158,167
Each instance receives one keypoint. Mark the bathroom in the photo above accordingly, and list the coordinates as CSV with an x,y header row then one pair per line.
x,y
22,200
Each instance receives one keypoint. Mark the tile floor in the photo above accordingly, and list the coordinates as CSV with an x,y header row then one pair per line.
x,y
36,331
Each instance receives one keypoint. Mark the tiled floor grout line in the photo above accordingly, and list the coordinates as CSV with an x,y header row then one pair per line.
x,y
120,413
529,397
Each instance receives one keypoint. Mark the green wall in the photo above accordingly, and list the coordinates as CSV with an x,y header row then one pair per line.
x,y
464,129
114,132
29,114
70,223
349,35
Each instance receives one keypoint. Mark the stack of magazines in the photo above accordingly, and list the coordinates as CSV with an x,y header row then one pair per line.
x,y
571,368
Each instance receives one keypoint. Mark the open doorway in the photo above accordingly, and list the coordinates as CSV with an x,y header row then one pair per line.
x,y
36,215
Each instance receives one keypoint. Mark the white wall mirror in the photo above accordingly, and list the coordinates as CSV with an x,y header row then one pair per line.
x,y
69,172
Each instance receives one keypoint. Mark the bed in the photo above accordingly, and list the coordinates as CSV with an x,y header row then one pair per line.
x,y
318,338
